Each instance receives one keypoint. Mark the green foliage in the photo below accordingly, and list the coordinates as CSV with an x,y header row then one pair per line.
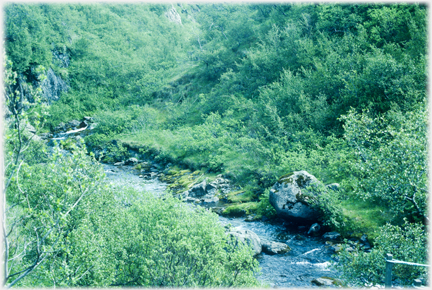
x,y
264,207
252,91
166,243
27,43
405,243
328,203
392,160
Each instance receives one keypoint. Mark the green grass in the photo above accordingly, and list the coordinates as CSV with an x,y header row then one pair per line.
x,y
364,217
240,209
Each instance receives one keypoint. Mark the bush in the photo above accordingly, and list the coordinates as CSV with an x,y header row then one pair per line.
x,y
166,243
406,243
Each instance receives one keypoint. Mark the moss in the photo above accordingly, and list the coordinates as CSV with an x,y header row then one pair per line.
x,y
306,197
302,180
240,209
335,282
283,178
235,196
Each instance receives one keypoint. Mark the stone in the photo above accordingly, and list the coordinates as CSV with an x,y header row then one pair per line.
x,y
143,166
45,136
336,248
247,237
53,86
331,236
211,188
121,163
273,248
314,229
250,218
291,199
210,199
73,124
198,190
333,186
322,282
88,119
92,126
83,124
217,210
131,161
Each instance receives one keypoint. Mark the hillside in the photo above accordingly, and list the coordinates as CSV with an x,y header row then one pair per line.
x,y
252,92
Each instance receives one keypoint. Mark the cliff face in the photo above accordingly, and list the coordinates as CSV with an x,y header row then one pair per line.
x,y
52,87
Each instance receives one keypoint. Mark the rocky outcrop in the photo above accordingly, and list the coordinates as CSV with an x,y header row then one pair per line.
x,y
53,86
206,191
247,237
173,15
292,200
332,236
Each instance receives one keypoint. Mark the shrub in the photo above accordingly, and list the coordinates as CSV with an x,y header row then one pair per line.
x,y
168,243
405,243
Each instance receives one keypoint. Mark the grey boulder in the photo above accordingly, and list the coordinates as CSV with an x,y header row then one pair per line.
x,y
247,237
292,200
273,248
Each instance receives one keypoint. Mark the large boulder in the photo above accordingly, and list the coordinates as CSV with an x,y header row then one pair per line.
x,y
292,200
247,237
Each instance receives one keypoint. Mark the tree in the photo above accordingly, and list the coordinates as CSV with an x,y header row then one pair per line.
x,y
392,160
39,194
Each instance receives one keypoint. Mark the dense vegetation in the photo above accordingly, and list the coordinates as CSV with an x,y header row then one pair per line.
x,y
250,91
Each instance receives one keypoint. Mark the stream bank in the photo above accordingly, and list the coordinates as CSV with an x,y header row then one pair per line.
x,y
305,265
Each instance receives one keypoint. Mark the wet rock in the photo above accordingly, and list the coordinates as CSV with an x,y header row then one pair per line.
x,y
121,163
333,236
211,188
154,169
198,189
322,282
83,124
273,248
88,119
314,229
73,124
131,161
92,126
143,166
247,237
192,199
210,199
45,136
217,210
291,199
365,243
250,218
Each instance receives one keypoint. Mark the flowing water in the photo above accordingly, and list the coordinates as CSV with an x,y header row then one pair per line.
x,y
308,259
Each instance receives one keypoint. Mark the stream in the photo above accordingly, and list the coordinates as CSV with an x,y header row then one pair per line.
x,y
308,259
